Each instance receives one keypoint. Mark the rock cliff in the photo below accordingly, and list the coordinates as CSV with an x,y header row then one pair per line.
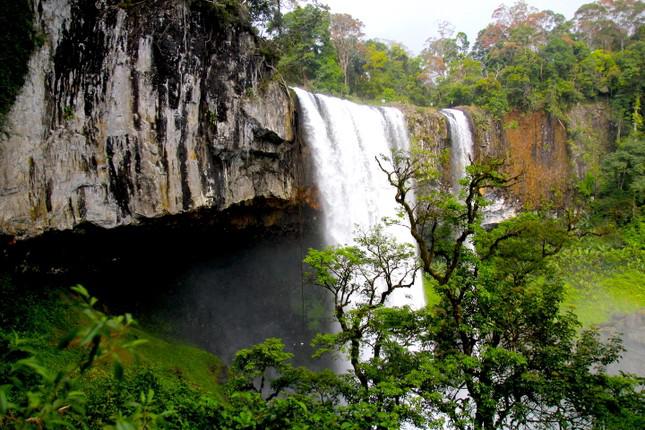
x,y
133,113
547,155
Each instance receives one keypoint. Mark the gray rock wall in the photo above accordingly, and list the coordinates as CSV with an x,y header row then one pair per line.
x,y
140,112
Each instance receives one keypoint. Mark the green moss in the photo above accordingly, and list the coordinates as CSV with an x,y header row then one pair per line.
x,y
511,125
68,113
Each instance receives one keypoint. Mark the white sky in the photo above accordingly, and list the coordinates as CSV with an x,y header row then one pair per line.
x,y
411,22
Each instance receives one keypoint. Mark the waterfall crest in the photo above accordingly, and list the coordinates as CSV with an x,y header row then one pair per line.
x,y
345,139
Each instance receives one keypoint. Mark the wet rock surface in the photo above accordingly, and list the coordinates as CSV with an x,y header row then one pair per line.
x,y
141,112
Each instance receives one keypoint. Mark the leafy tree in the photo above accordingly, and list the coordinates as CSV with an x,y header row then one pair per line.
x,y
608,24
265,15
623,179
308,56
391,74
498,351
514,30
360,280
346,33
442,50
629,85
596,74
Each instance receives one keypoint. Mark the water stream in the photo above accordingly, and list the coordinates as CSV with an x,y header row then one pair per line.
x,y
345,139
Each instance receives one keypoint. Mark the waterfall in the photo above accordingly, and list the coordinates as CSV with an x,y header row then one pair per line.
x,y
461,139
462,153
345,139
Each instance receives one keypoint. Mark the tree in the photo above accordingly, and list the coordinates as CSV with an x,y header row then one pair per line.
x,y
596,73
629,85
623,179
264,14
346,33
390,73
308,56
515,30
607,24
360,280
442,50
497,350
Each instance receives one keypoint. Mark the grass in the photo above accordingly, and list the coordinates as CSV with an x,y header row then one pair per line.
x,y
605,276
43,317
199,368
609,294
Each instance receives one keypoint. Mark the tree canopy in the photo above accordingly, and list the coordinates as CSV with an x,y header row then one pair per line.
x,y
525,59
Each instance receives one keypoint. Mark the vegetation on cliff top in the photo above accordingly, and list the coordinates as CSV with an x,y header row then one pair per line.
x,y
525,59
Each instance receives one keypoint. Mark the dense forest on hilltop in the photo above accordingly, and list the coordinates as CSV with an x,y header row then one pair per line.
x,y
525,59
505,341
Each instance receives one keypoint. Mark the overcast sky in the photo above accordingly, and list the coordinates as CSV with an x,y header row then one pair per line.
x,y
411,22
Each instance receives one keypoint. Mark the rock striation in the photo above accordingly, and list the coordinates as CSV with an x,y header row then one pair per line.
x,y
136,111
131,113
548,155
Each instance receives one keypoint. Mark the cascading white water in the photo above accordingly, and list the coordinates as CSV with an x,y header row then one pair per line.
x,y
462,154
345,139
461,138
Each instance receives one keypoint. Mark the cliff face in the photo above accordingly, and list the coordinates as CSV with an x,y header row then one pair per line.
x,y
136,113
427,127
430,131
534,146
546,154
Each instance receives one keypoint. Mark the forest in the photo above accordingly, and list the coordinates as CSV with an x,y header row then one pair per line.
x,y
504,342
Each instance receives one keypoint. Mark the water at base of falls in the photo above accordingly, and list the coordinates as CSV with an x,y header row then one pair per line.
x,y
345,139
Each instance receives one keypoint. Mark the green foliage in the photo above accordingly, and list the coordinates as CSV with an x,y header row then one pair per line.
x,y
68,113
228,13
264,14
622,189
369,70
308,56
390,74
498,332
35,395
143,417
186,381
629,84
604,274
